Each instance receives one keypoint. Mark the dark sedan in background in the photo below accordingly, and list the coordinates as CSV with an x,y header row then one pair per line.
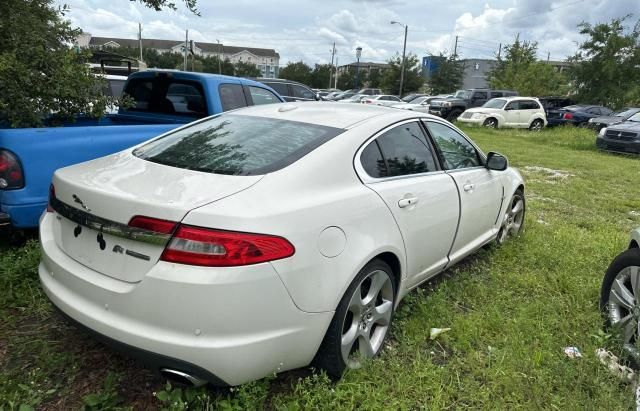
x,y
597,123
576,115
623,137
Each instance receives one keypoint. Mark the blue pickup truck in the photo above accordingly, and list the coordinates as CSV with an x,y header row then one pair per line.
x,y
163,100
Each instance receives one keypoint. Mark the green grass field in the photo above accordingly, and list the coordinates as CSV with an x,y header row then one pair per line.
x,y
511,311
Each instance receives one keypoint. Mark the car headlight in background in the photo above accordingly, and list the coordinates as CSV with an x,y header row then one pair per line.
x,y
602,131
478,115
446,104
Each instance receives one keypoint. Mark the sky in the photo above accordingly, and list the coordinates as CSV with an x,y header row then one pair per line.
x,y
306,30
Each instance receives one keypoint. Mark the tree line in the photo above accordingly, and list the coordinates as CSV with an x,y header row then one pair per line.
x,y
40,73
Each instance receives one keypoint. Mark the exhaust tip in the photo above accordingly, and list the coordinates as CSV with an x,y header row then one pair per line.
x,y
182,378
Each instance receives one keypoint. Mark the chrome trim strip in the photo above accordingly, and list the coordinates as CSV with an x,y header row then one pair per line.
x,y
106,226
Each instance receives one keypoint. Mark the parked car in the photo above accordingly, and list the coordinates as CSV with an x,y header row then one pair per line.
x,y
410,97
620,298
163,100
370,91
516,112
421,103
382,100
161,249
622,137
555,102
619,116
451,108
343,96
576,115
356,98
290,90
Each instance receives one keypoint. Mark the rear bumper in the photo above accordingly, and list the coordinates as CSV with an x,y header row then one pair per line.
x,y
22,216
5,220
618,145
234,324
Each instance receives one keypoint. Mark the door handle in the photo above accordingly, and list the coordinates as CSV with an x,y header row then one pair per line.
x,y
469,187
406,202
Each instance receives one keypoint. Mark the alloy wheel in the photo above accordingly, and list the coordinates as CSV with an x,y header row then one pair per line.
x,y
536,125
623,308
513,218
491,123
367,318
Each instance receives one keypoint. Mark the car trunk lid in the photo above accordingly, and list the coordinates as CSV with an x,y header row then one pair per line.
x,y
95,202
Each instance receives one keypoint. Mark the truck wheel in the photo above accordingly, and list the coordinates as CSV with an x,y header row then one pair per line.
x,y
490,123
453,116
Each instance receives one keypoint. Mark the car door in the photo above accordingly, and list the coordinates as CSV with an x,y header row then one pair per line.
x,y
400,165
480,189
479,98
512,113
528,110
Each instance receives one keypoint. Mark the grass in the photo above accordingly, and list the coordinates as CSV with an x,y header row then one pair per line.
x,y
511,311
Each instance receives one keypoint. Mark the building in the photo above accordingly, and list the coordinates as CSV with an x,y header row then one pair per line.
x,y
267,60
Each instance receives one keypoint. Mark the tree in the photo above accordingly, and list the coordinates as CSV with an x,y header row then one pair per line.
x,y
246,69
299,72
158,5
40,74
210,65
521,71
448,76
413,79
320,76
605,69
347,80
375,77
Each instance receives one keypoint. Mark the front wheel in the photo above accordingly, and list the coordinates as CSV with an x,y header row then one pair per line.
x,y
513,220
536,125
620,301
361,322
453,116
490,123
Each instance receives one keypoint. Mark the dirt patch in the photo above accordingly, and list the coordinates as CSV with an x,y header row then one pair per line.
x,y
548,175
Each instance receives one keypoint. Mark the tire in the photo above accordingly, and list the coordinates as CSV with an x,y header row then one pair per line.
x,y
536,125
513,221
490,123
621,308
453,116
331,354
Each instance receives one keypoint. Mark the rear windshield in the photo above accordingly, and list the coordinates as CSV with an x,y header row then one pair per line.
x,y
237,145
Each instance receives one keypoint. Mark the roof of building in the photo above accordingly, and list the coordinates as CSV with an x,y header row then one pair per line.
x,y
367,64
168,44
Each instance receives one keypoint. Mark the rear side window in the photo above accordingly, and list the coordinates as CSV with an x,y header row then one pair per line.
x,y
231,96
529,105
237,145
372,161
165,95
262,96
302,92
280,88
404,150
480,95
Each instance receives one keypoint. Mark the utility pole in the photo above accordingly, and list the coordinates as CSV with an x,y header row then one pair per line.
x,y
333,52
219,57
140,38
499,51
455,49
358,54
548,56
335,84
404,49
193,55
186,48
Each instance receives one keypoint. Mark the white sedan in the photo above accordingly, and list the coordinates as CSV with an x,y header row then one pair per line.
x,y
382,100
254,241
516,112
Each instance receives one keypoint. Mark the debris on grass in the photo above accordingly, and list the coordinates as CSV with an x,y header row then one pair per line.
x,y
572,352
634,213
550,175
435,332
613,364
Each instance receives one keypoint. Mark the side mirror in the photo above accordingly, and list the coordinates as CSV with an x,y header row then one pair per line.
x,y
496,161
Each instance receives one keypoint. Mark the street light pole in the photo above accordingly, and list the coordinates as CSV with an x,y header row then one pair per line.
x,y
404,49
219,57
358,54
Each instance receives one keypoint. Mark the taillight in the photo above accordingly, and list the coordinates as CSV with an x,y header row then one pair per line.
x,y
567,116
52,196
215,248
10,171
153,224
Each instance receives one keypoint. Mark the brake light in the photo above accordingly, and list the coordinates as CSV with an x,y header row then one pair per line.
x,y
216,248
567,116
153,224
11,176
52,196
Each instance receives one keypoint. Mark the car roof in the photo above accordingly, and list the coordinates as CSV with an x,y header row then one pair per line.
x,y
329,114
511,98
190,75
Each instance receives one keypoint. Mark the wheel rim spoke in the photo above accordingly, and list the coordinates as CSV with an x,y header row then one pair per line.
x,y
628,327
382,313
356,303
620,295
364,345
634,276
517,208
348,339
378,280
